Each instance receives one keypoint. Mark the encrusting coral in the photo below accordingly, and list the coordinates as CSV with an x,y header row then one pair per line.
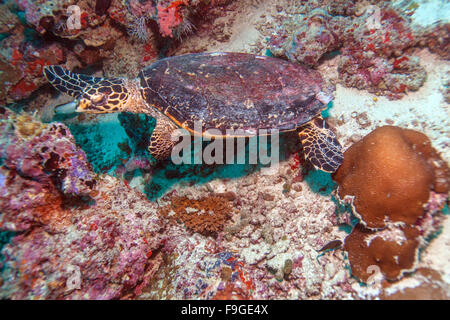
x,y
390,173
80,236
374,42
431,287
42,168
393,178
206,216
393,251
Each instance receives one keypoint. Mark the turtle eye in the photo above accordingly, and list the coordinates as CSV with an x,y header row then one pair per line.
x,y
96,98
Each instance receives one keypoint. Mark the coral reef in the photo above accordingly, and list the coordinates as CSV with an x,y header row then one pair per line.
x,y
78,33
104,252
23,62
389,175
394,251
41,165
267,250
269,241
85,212
374,43
438,40
374,38
314,38
86,236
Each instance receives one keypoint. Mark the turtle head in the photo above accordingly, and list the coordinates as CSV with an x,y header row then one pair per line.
x,y
104,97
94,94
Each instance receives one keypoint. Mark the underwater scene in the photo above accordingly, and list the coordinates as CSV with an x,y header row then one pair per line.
x,y
224,149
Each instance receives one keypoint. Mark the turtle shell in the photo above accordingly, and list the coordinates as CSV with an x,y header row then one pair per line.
x,y
232,91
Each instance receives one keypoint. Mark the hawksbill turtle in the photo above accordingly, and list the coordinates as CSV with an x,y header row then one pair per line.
x,y
225,91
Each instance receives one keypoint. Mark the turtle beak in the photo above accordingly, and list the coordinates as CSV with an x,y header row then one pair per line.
x,y
83,105
92,105
67,108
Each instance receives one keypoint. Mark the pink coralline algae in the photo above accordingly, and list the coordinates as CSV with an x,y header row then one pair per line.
x,y
104,253
374,46
170,17
86,237
376,58
24,63
41,164
317,36
80,33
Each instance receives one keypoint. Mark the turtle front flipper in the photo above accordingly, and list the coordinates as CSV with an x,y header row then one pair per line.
x,y
68,82
321,146
161,143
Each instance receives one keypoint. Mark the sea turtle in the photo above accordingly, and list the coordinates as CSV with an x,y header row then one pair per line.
x,y
222,90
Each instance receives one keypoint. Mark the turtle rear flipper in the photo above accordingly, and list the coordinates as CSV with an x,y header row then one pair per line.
x,y
321,146
68,82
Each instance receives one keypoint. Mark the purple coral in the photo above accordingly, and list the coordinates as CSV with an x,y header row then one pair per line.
x,y
317,36
107,244
72,249
41,165
48,153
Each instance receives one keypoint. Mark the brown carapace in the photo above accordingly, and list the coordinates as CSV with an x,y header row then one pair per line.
x,y
228,92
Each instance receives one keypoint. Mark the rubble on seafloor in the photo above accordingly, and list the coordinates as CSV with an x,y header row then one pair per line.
x,y
86,214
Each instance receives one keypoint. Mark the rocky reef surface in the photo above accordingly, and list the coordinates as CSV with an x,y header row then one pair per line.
x,y
86,213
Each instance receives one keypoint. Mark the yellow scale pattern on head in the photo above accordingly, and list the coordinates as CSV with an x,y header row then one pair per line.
x,y
114,92
96,94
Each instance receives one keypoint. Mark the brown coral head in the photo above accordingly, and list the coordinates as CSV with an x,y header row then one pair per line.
x,y
391,251
389,174
431,287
